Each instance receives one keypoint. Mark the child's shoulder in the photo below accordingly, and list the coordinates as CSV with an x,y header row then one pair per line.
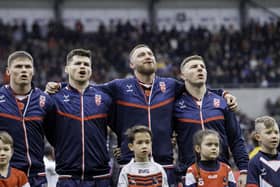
x,y
17,171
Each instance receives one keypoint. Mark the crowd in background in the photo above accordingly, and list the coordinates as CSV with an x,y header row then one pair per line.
x,y
234,58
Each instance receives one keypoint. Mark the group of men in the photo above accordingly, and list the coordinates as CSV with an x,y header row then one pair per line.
x,y
75,119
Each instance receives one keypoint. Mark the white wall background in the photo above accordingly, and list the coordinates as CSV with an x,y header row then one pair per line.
x,y
252,101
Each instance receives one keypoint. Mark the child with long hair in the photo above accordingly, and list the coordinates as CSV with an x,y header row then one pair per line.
x,y
207,171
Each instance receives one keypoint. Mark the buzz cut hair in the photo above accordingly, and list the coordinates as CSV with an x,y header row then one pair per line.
x,y
189,58
78,52
130,133
6,139
266,121
135,48
19,54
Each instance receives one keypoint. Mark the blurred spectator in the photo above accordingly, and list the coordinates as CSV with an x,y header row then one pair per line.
x,y
235,58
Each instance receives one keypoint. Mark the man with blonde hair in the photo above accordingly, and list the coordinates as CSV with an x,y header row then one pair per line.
x,y
24,111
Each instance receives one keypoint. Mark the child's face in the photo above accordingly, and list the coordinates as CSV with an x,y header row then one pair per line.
x,y
209,148
141,146
268,138
6,153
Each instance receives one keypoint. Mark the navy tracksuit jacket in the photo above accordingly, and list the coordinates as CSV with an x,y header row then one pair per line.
x,y
79,137
213,114
132,107
26,128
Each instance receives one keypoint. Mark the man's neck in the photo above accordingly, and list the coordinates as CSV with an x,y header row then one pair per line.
x,y
21,89
147,79
196,91
4,170
79,86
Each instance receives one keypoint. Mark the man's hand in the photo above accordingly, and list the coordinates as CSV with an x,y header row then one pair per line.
x,y
231,102
117,152
242,179
52,87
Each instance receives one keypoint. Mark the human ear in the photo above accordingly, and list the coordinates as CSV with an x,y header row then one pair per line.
x,y
130,146
197,148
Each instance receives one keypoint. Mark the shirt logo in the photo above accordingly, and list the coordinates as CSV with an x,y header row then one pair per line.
x,y
216,103
66,98
2,99
212,176
98,99
182,104
162,86
129,88
141,171
42,101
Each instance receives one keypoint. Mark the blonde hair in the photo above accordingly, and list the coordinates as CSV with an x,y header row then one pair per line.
x,y
135,48
189,58
6,138
267,121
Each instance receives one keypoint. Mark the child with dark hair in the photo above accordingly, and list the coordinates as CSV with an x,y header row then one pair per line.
x,y
141,170
207,171
9,176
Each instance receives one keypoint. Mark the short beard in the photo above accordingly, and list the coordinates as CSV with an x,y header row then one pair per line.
x,y
146,71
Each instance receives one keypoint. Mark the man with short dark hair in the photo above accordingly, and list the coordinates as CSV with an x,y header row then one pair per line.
x,y
81,118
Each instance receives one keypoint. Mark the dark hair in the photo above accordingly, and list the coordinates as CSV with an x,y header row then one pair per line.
x,y
136,47
199,135
19,54
197,140
130,133
186,60
6,138
78,52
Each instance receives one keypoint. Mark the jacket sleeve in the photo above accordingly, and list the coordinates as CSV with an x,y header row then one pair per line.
x,y
49,121
252,175
236,141
108,88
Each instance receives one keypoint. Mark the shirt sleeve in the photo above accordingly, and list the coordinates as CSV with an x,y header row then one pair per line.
x,y
23,180
26,185
123,181
190,180
164,178
231,179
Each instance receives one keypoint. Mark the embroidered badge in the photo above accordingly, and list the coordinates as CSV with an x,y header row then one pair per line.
x,y
216,102
42,101
162,86
98,99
